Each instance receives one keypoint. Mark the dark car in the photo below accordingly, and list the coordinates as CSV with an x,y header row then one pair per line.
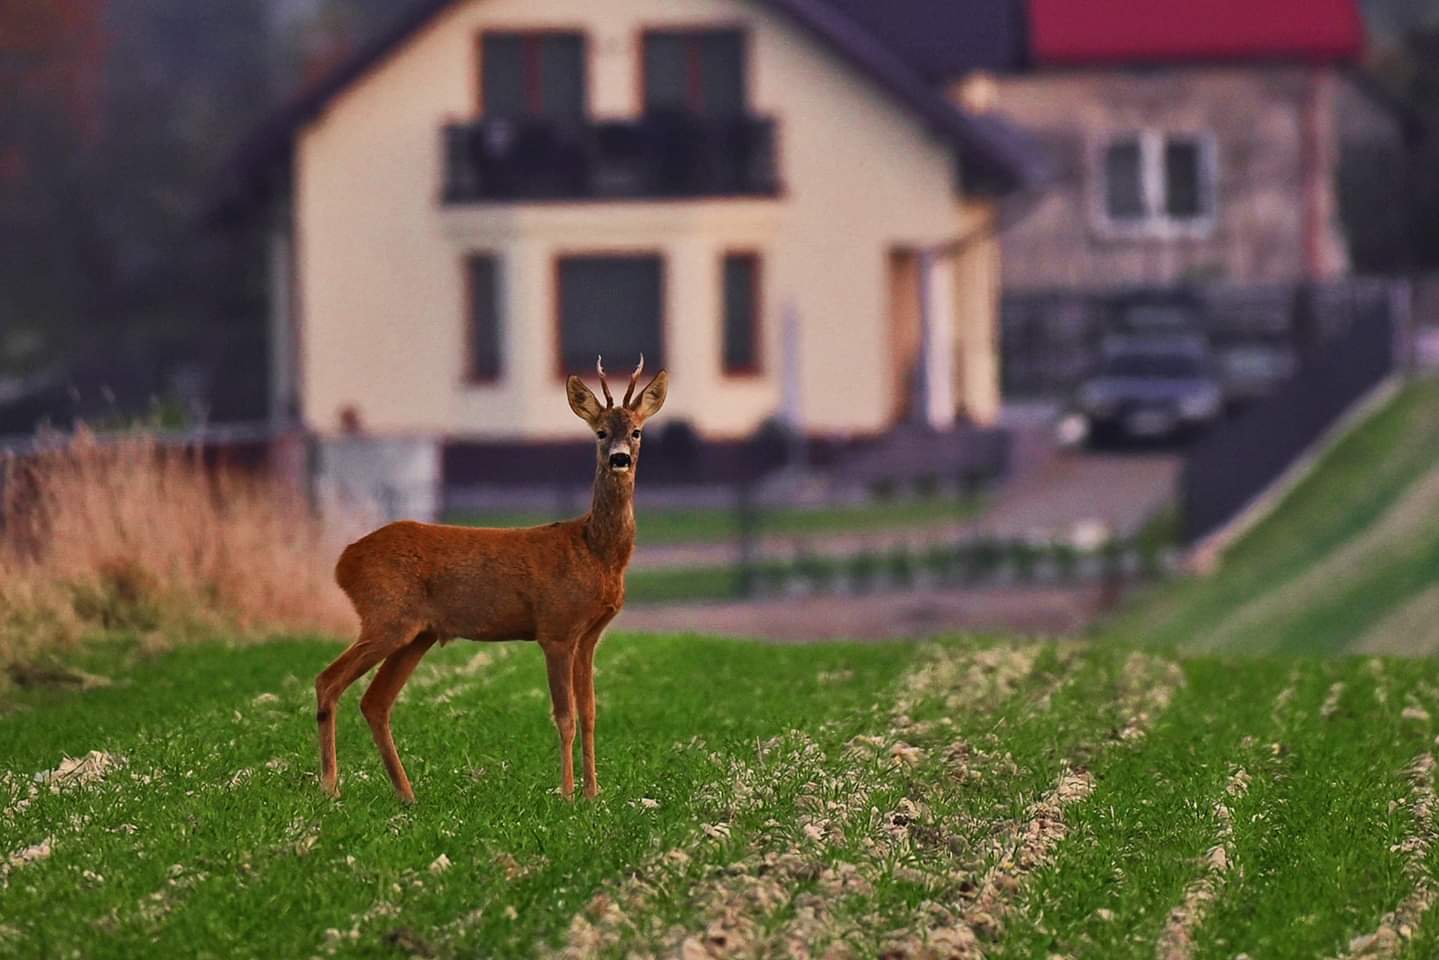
x,y
1149,388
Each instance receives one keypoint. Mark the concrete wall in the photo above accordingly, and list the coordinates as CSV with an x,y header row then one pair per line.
x,y
394,477
1258,118
379,259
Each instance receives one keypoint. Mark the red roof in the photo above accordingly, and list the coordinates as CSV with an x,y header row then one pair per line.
x,y
1079,32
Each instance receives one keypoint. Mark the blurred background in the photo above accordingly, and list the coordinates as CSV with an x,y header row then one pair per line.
x,y
976,311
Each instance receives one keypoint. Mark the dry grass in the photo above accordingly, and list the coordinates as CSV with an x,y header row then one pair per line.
x,y
129,534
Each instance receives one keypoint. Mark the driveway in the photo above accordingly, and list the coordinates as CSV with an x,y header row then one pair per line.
x,y
1027,611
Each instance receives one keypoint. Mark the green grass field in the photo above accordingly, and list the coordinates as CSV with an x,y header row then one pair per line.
x,y
710,525
1348,562
947,799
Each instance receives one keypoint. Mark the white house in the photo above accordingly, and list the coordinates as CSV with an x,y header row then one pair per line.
x,y
497,190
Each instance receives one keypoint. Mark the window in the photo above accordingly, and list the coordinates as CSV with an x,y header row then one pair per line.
x,y
1157,183
532,75
1183,180
483,315
611,305
1124,181
697,71
741,314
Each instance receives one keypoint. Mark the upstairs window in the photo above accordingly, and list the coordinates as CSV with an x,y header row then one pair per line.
x,y
532,75
1157,183
696,71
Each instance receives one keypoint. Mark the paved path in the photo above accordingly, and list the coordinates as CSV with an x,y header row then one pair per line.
x,y
1119,491
1027,611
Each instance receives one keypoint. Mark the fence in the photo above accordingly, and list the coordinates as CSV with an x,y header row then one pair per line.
x,y
1227,470
1051,340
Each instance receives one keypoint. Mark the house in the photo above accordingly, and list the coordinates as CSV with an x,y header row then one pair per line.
x,y
493,192
1195,142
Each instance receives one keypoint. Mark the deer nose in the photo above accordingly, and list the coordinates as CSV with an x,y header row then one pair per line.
x,y
619,461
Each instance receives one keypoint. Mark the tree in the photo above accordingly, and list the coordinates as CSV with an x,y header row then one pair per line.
x,y
104,275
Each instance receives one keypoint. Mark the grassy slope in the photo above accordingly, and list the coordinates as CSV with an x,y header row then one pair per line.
x,y
1356,486
712,525
922,825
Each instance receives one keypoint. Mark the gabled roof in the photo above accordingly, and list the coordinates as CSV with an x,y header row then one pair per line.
x,y
1112,32
997,156
945,39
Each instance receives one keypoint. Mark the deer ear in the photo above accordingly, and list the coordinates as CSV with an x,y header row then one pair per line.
x,y
652,397
583,401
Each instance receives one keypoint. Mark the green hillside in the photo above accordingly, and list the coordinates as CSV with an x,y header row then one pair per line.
x,y
1348,562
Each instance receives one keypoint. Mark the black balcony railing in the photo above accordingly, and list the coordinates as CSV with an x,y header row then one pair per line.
x,y
658,156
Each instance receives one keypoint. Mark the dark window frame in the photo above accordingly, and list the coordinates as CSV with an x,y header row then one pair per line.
x,y
557,290
694,34
1196,148
532,58
1155,220
755,367
474,374
1129,142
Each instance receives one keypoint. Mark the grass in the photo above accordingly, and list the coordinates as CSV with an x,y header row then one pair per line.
x,y
1024,800
682,585
1354,542
100,534
712,525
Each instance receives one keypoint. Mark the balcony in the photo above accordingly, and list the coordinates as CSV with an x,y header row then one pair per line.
x,y
660,156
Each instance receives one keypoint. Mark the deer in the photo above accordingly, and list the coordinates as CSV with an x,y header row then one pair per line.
x,y
559,585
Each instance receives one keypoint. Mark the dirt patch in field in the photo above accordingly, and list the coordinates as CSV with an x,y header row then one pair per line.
x,y
1176,942
799,887
71,773
1396,928
23,858
1330,706
966,679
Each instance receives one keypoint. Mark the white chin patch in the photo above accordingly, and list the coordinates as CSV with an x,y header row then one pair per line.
x,y
619,469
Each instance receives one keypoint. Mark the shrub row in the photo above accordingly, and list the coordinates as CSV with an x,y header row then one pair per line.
x,y
978,562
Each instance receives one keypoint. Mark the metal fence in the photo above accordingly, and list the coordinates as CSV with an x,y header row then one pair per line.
x,y
1227,470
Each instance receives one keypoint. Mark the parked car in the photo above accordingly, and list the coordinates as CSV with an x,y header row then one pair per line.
x,y
1148,388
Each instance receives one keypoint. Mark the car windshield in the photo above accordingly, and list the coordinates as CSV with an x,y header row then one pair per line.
x,y
1169,366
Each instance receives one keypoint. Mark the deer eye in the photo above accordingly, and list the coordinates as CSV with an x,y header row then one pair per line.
x,y
635,435
602,434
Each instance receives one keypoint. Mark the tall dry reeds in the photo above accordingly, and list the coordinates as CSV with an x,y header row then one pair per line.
x,y
131,534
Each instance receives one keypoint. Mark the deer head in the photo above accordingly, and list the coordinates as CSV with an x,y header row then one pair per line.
x,y
618,429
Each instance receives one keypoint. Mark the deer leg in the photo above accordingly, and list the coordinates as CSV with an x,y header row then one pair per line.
x,y
373,646
559,660
379,699
584,687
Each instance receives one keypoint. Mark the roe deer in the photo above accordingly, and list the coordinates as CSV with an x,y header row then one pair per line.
x,y
416,584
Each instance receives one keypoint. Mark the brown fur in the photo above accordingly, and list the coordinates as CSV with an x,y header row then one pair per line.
x,y
415,584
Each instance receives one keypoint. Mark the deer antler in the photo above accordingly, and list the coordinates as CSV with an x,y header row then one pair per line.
x,y
634,379
600,366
